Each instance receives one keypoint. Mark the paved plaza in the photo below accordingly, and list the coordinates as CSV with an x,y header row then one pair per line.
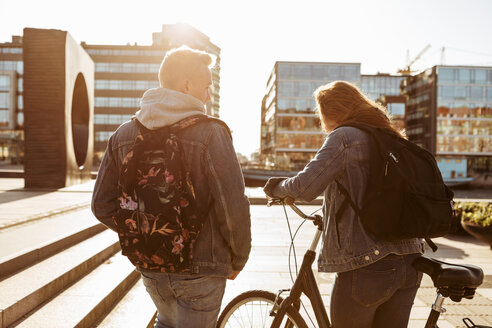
x,y
268,267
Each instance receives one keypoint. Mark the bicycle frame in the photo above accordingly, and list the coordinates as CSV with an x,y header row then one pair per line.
x,y
305,282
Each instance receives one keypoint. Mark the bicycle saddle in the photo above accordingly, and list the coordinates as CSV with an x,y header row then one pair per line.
x,y
453,280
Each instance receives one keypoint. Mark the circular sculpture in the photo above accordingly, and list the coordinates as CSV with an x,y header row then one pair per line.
x,y
80,120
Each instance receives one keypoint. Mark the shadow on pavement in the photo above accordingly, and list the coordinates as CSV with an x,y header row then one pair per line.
x,y
465,238
11,195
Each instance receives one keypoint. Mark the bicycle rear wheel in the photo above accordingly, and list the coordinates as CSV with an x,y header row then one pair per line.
x,y
251,309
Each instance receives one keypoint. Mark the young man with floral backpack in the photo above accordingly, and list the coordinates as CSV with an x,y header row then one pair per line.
x,y
170,184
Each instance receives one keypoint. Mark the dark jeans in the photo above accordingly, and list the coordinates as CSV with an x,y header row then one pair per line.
x,y
378,295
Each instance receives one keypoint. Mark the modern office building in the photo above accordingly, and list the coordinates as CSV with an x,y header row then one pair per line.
x,y
122,74
385,89
11,100
381,84
449,112
290,129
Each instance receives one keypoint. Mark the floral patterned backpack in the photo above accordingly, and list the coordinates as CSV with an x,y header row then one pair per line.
x,y
157,222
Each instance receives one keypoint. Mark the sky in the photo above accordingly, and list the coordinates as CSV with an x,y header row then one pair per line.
x,y
254,34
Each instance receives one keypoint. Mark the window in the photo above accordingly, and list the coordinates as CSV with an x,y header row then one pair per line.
x,y
489,93
302,89
334,72
20,119
11,50
116,102
480,76
284,71
286,88
285,103
476,93
11,66
464,75
396,109
4,117
303,105
4,83
4,100
20,102
319,72
302,72
101,84
127,67
103,135
446,74
447,92
459,92
351,73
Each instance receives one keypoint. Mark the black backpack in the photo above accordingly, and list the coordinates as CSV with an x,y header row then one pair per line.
x,y
158,222
405,195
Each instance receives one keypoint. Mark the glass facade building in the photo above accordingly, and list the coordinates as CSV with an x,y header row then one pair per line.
x,y
291,132
122,74
379,85
449,112
385,89
290,128
11,96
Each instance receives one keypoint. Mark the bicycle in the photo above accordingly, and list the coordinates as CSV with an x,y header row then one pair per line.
x,y
259,308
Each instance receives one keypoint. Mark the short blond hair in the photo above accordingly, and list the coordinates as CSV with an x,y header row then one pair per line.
x,y
181,63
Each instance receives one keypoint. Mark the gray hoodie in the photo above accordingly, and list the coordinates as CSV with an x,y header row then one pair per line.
x,y
160,107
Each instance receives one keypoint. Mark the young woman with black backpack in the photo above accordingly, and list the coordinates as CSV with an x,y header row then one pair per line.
x,y
375,282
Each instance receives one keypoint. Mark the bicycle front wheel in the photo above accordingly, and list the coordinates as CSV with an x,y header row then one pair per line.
x,y
251,309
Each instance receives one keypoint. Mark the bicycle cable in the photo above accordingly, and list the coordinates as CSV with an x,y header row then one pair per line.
x,y
293,249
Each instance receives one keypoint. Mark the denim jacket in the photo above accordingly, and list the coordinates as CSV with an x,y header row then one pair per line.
x,y
225,240
344,157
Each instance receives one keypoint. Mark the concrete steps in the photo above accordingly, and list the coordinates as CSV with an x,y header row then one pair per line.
x,y
29,288
67,271
82,304
28,244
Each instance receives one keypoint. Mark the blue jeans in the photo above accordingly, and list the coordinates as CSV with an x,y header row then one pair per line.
x,y
185,300
378,295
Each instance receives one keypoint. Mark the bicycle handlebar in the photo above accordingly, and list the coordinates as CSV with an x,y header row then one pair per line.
x,y
291,202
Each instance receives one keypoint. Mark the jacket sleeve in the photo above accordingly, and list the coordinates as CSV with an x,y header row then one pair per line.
x,y
105,196
231,205
326,166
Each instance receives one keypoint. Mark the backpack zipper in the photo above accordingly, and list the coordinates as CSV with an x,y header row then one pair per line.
x,y
393,157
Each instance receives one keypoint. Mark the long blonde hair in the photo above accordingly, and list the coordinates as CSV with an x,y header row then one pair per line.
x,y
342,103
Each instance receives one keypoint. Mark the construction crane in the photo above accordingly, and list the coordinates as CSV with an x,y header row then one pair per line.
x,y
407,70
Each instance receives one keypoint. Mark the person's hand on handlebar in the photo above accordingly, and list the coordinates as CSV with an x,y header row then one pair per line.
x,y
271,184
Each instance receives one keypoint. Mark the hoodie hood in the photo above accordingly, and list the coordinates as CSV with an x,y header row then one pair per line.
x,y
160,107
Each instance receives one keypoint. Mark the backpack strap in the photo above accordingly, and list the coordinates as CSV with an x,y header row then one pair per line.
x,y
185,123
347,200
431,244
